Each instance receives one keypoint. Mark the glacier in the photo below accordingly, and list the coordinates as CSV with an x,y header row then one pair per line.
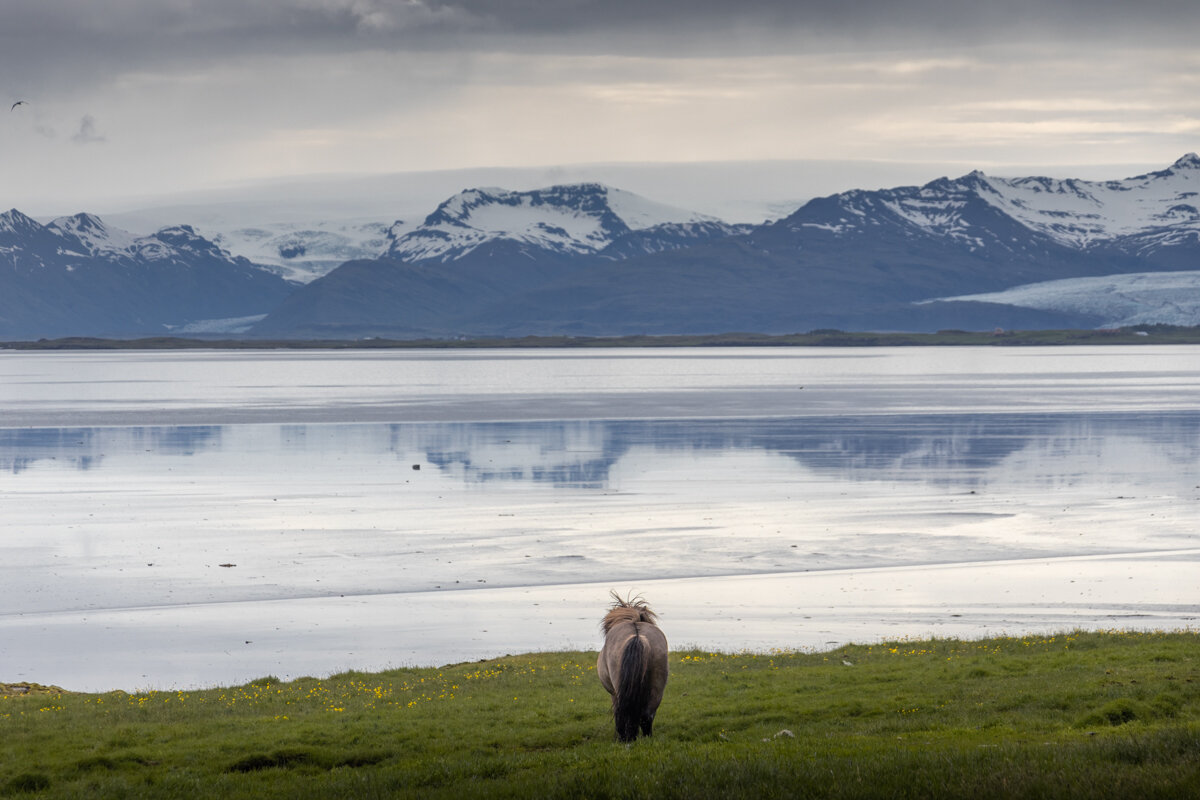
x,y
1171,298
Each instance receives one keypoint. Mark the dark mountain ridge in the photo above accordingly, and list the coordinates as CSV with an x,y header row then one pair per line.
x,y
75,276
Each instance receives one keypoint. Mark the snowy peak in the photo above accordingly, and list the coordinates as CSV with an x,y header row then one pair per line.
x,y
576,219
29,245
88,235
14,222
93,235
944,209
185,239
1189,161
1074,213
1082,214
76,276
71,241
82,224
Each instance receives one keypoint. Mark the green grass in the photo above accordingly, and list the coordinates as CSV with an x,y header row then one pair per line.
x,y
1090,715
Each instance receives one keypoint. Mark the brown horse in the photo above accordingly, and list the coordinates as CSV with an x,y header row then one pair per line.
x,y
633,665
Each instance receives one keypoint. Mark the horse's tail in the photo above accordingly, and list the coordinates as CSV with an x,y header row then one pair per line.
x,y
633,689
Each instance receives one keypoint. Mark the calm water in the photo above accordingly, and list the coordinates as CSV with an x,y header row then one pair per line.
x,y
216,516
71,389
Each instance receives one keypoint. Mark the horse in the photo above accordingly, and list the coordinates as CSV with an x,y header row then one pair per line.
x,y
632,665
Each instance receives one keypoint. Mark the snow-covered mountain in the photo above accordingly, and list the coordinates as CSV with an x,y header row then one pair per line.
x,y
568,260
482,246
304,244
1150,220
68,240
1156,209
95,237
299,241
571,220
78,276
1139,216
972,252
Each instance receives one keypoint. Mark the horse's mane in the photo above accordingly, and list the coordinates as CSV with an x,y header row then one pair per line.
x,y
633,609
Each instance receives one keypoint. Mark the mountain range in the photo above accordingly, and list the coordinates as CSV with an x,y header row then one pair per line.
x,y
77,276
976,252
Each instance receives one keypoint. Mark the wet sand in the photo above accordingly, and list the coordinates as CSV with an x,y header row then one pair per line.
x,y
179,521
231,643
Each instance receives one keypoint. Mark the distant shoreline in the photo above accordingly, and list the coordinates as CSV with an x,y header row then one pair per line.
x,y
1140,334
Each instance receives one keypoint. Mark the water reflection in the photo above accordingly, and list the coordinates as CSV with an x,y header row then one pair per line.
x,y
939,449
86,448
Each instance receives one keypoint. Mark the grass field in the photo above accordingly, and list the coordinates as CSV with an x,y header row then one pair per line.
x,y
1088,715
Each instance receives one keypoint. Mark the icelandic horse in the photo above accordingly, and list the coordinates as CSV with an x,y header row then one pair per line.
x,y
632,665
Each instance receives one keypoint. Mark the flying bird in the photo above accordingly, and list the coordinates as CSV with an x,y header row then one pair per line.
x,y
18,103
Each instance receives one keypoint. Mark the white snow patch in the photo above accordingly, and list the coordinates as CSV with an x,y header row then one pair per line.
x,y
640,213
827,227
527,222
228,325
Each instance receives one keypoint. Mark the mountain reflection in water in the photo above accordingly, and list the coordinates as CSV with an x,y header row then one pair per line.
x,y
951,449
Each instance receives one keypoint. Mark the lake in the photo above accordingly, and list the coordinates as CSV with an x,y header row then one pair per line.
x,y
196,518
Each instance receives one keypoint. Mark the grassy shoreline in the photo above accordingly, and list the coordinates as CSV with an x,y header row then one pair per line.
x,y
1139,334
1073,715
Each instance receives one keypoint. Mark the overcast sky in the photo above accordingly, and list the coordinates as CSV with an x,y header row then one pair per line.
x,y
140,97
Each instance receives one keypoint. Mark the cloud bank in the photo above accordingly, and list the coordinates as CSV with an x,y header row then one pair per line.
x,y
209,91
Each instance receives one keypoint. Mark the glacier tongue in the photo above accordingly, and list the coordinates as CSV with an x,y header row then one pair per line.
x,y
1171,298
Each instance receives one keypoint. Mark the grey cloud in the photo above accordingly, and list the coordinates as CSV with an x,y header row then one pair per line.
x,y
48,45
58,42
87,133
871,21
220,25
